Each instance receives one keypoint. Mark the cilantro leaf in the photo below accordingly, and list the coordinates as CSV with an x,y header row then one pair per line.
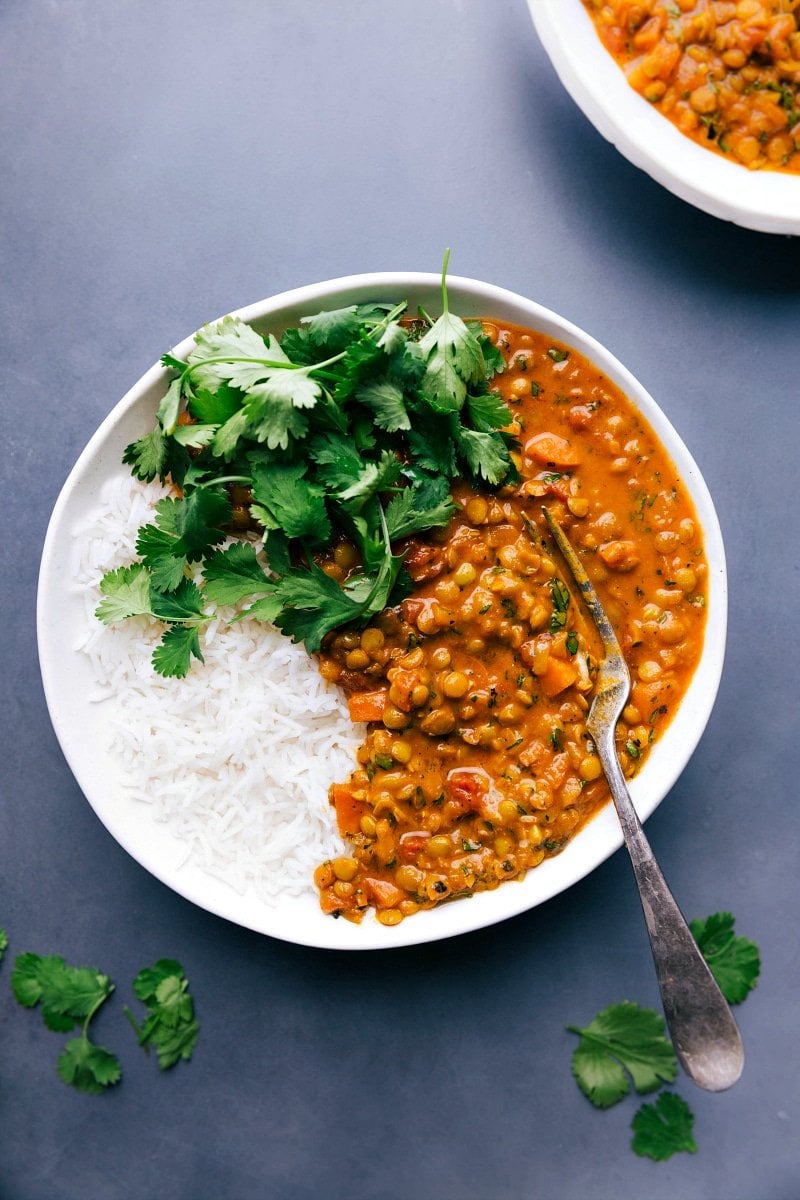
x,y
284,498
432,441
485,454
231,352
173,655
272,415
3,943
227,437
359,361
622,1038
127,594
453,357
332,329
147,456
196,519
337,460
372,478
734,961
385,398
214,408
171,1025
169,409
493,356
424,506
312,605
663,1128
68,996
233,574
488,412
156,548
87,1067
195,436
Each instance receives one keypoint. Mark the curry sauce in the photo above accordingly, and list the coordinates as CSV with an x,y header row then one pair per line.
x,y
476,764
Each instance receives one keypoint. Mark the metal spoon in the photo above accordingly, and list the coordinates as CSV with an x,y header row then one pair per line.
x,y
704,1033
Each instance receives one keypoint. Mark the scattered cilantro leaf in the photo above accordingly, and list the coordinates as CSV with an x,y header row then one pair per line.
x,y
88,1067
68,996
624,1043
734,961
663,1128
171,1026
3,943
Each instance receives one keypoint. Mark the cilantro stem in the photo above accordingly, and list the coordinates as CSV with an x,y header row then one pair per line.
x,y
445,263
98,1002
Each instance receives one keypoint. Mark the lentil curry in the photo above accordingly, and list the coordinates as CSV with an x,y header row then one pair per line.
x,y
475,689
725,72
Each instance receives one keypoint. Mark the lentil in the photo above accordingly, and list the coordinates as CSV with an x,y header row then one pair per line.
x,y
493,771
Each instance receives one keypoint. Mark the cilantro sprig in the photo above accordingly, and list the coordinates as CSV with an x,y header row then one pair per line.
x,y
69,997
352,424
171,1026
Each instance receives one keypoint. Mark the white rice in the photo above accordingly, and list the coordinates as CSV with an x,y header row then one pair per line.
x,y
236,759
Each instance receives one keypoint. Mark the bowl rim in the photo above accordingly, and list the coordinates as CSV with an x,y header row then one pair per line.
x,y
764,201
471,298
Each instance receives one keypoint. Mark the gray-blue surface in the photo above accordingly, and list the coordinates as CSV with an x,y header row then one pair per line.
x,y
161,164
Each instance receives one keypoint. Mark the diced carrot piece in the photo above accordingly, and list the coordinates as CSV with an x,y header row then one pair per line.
x,y
349,810
558,675
367,706
550,450
383,893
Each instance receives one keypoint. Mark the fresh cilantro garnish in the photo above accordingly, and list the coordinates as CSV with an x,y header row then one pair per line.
x,y
171,1026
663,1128
734,961
3,943
131,592
69,997
624,1044
351,425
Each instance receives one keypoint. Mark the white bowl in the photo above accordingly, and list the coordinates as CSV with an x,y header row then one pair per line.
x,y
768,201
82,729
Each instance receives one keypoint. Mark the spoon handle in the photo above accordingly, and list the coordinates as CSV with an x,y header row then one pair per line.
x,y
702,1027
